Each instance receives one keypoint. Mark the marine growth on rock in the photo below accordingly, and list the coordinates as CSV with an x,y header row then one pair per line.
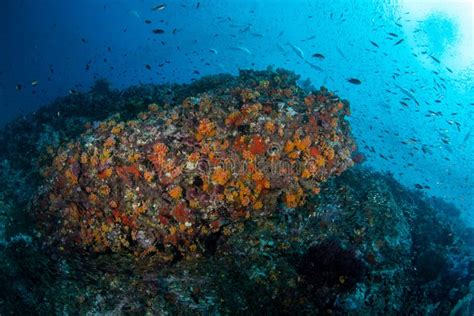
x,y
163,183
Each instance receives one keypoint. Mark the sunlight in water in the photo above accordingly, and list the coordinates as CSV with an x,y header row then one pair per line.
x,y
444,28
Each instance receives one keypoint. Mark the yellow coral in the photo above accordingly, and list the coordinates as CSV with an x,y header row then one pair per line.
x,y
117,129
148,176
153,107
104,190
72,178
258,205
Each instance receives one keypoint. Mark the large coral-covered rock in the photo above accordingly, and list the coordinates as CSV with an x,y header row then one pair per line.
x,y
165,182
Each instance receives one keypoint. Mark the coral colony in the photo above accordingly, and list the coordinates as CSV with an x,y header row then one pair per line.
x,y
162,183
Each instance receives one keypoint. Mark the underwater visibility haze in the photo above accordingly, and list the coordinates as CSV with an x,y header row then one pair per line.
x,y
237,157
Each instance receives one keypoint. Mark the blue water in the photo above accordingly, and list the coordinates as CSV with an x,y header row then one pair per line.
x,y
66,45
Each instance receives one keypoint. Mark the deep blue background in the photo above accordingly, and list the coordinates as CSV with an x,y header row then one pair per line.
x,y
68,44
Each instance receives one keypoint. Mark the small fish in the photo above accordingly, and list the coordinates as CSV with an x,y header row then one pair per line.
x,y
392,34
375,44
214,51
34,83
242,49
435,59
147,21
445,141
418,186
159,7
354,81
309,38
318,55
314,66
158,31
18,87
407,93
298,51
148,67
425,149
341,53
400,41
468,134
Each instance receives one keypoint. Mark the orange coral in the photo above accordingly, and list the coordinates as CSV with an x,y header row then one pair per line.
x,y
220,176
205,129
105,174
176,192
289,146
160,149
109,142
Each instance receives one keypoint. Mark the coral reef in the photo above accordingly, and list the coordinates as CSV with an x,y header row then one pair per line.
x,y
163,183
358,243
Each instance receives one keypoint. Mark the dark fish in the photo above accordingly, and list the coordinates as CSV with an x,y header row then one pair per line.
x,y
198,5
375,44
309,38
425,149
147,21
449,69
392,34
18,87
404,103
318,55
467,135
398,42
435,59
148,67
354,81
418,186
158,31
83,40
159,7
